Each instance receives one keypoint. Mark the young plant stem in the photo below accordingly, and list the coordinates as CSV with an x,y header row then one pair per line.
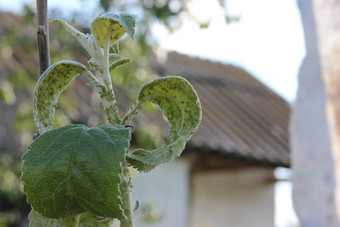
x,y
108,97
126,202
129,115
110,105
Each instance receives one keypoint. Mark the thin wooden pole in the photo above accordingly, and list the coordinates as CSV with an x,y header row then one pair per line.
x,y
42,35
42,39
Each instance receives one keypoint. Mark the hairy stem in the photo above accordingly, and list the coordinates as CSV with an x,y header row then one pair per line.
x,y
108,97
125,194
111,107
129,115
90,76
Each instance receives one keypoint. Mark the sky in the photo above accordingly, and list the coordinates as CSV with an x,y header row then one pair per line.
x,y
268,42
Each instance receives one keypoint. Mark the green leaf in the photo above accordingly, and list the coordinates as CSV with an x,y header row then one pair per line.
x,y
36,220
115,48
74,169
94,65
114,26
119,63
86,41
81,220
180,104
114,57
48,88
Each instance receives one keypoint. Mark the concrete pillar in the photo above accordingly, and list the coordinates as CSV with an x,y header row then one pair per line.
x,y
315,118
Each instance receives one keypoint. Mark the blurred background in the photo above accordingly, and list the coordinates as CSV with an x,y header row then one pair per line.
x,y
241,56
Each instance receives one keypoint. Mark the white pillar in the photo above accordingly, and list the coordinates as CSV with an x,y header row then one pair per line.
x,y
314,135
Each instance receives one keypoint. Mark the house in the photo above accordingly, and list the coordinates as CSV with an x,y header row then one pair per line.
x,y
225,175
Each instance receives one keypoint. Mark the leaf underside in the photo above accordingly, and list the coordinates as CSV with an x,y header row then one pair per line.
x,y
49,86
85,40
81,220
119,63
181,106
115,24
75,169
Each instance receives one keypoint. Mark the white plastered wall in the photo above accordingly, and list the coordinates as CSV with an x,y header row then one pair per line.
x,y
166,190
235,198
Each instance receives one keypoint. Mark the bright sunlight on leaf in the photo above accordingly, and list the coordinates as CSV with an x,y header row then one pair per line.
x,y
115,25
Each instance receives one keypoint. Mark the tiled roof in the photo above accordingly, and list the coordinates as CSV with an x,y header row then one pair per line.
x,y
242,118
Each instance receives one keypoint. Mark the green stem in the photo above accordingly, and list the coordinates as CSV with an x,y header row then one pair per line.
x,y
107,96
111,108
126,202
90,76
129,115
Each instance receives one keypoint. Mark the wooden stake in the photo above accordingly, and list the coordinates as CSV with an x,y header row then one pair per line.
x,y
42,36
42,39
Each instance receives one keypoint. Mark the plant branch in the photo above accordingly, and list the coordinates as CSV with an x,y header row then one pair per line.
x,y
42,40
91,77
111,107
129,115
42,36
125,194
108,97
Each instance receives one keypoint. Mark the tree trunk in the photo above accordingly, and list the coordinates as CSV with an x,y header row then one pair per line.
x,y
315,123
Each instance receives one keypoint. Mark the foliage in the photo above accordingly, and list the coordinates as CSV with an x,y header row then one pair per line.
x,y
19,72
18,67
74,174
76,169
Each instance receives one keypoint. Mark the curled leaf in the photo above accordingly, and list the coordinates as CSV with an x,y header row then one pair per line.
x,y
48,88
180,104
75,169
114,25
119,63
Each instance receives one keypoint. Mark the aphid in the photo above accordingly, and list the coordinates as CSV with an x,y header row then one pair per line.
x,y
129,126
